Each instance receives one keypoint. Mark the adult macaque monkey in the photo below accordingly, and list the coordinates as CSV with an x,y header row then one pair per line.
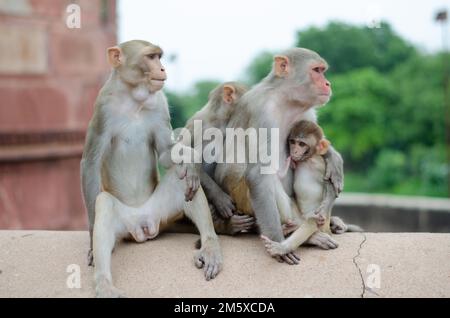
x,y
120,182
287,95
215,114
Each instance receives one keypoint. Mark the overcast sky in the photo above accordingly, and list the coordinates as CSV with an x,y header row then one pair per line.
x,y
217,39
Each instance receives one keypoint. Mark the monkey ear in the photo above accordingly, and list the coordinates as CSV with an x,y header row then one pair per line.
x,y
115,56
281,65
323,146
228,95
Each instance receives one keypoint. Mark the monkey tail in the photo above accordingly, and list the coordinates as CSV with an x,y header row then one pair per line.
x,y
354,228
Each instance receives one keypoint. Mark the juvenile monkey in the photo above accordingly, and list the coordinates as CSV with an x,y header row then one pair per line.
x,y
314,195
222,102
129,131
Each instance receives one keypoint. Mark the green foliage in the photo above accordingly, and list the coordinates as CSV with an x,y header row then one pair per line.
x,y
184,105
259,68
177,111
389,170
347,47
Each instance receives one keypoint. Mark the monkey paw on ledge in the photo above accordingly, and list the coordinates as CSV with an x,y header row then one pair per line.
x,y
47,264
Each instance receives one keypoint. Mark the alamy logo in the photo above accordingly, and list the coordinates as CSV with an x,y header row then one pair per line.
x,y
74,279
374,278
237,146
73,20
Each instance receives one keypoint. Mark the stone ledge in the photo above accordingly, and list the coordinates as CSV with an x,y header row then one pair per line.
x,y
34,264
394,202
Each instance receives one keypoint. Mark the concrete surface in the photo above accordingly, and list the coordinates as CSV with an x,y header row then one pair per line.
x,y
34,264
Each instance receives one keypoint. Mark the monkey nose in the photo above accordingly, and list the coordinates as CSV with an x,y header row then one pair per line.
x,y
327,83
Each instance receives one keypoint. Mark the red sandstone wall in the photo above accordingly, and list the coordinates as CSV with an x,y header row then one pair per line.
x,y
49,78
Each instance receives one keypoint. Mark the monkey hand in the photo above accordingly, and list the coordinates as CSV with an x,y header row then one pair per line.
x,y
289,227
189,172
241,223
335,170
224,205
318,215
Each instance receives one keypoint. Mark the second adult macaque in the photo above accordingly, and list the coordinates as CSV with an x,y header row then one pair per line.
x,y
314,195
221,104
295,86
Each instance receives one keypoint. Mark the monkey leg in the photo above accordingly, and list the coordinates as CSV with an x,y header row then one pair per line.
x,y
168,201
209,257
239,192
263,201
298,237
326,205
107,229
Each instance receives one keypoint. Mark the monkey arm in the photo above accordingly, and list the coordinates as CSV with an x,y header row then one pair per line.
x,y
90,167
186,169
221,200
334,170
163,144
282,173
323,212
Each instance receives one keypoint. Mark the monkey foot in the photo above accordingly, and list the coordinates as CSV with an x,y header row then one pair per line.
x,y
338,226
322,240
209,257
105,289
279,252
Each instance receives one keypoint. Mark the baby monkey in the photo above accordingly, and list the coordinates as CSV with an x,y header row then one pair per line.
x,y
314,195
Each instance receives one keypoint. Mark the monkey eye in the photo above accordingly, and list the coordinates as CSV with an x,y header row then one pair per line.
x,y
319,69
291,141
302,144
152,56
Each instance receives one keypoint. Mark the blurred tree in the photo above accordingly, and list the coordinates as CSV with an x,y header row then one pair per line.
x,y
419,117
347,47
177,112
259,68
184,105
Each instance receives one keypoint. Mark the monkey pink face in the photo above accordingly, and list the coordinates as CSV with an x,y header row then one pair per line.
x,y
300,149
320,83
153,69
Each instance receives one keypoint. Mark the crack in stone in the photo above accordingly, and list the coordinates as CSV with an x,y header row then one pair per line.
x,y
357,267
